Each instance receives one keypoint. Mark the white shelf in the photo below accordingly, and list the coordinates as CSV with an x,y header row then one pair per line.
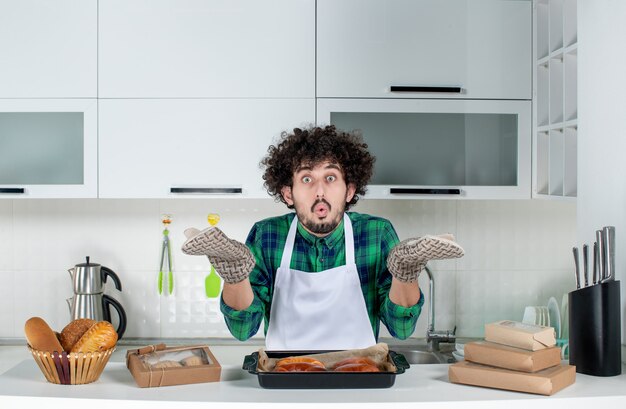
x,y
555,99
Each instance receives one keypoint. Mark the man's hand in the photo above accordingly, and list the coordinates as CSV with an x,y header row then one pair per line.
x,y
232,260
407,259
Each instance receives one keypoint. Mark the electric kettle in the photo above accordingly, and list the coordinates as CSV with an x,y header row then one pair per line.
x,y
89,300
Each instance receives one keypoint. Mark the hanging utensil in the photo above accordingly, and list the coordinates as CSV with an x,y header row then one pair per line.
x,y
576,266
166,252
212,282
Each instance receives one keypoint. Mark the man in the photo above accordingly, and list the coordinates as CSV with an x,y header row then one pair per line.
x,y
322,278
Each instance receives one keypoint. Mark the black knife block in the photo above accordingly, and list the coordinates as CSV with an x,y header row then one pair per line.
x,y
595,329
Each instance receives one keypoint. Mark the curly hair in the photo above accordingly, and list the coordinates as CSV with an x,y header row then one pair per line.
x,y
312,146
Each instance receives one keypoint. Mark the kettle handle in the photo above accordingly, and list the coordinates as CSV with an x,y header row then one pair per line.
x,y
105,271
106,303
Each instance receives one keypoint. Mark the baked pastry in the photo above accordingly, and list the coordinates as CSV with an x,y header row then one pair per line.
x,y
166,364
357,368
356,364
299,359
355,360
193,360
299,367
40,336
100,337
74,331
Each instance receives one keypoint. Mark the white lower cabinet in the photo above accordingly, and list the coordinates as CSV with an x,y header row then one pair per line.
x,y
166,148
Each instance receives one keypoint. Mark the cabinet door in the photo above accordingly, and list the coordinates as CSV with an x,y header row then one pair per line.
x,y
483,47
48,148
434,149
198,48
148,147
48,49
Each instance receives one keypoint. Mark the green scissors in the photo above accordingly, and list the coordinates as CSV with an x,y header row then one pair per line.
x,y
166,251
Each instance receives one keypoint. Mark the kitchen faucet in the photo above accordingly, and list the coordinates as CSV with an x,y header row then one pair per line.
x,y
433,338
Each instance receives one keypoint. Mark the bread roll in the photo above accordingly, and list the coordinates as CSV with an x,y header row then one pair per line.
x,y
100,337
167,364
40,336
192,361
73,331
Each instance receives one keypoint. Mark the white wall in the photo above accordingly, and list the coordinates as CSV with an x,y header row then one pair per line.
x,y
517,254
602,125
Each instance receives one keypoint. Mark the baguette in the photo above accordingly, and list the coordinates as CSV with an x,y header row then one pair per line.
x,y
40,336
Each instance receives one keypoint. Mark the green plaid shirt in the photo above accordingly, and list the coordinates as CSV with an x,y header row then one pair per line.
x,y
374,237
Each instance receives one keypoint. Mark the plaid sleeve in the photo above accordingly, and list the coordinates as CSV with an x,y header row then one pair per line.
x,y
243,324
399,320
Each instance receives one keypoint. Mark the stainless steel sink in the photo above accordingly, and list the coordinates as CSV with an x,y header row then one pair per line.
x,y
420,355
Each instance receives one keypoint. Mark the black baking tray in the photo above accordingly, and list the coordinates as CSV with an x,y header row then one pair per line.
x,y
323,380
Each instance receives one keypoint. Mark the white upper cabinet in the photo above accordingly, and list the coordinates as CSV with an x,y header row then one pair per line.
x,y
366,47
215,49
166,148
48,49
48,148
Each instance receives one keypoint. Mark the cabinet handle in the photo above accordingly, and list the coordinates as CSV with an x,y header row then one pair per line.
x,y
412,191
206,190
402,88
12,190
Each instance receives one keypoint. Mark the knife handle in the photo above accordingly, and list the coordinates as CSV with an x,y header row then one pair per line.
x,y
601,253
576,266
595,263
586,264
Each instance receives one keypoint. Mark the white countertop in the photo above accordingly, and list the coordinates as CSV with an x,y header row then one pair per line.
x,y
421,386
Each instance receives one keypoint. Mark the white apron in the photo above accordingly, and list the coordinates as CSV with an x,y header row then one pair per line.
x,y
318,311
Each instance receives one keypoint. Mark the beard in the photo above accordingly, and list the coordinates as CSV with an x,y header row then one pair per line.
x,y
317,226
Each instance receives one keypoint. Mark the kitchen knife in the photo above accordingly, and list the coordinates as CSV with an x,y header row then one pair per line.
x,y
608,234
576,266
596,279
600,241
586,264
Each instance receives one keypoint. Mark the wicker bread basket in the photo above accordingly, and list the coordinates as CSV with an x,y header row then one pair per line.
x,y
74,368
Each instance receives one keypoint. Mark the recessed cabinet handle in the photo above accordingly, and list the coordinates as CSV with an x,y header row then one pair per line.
x,y
206,190
19,190
419,191
403,88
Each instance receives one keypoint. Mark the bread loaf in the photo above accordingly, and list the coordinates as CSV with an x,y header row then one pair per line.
x,y
40,336
74,331
100,337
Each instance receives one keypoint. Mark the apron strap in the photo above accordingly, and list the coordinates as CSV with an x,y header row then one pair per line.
x,y
285,261
349,239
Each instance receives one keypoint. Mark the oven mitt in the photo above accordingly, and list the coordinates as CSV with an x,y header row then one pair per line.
x,y
407,259
232,260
